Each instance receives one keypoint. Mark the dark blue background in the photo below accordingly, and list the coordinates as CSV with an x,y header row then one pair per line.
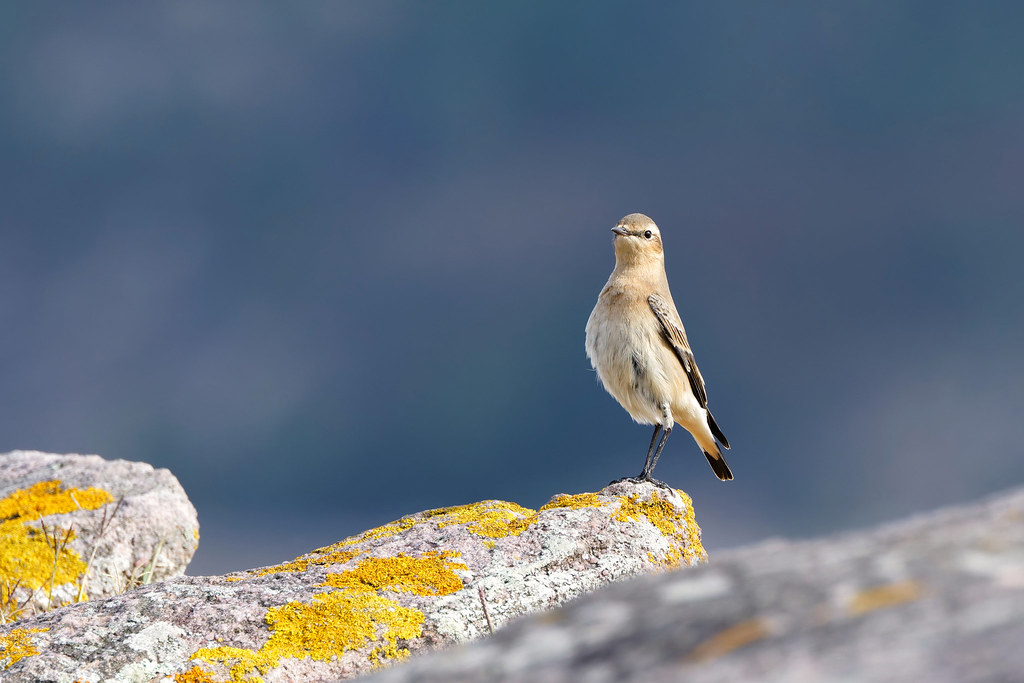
x,y
331,262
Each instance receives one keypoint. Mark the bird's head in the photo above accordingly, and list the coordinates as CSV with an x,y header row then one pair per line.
x,y
637,241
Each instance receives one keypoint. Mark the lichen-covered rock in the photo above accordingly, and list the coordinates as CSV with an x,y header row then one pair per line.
x,y
429,579
77,527
938,598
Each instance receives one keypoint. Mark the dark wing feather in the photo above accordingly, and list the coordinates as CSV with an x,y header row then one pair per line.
x,y
675,337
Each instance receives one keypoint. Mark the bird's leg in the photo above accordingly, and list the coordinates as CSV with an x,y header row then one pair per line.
x,y
657,454
667,424
654,450
644,475
648,466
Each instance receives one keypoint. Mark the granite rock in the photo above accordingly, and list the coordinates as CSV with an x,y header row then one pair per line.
x,y
937,598
431,579
76,527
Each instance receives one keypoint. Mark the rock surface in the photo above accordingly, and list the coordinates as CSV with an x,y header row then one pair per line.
x,y
936,598
114,524
430,579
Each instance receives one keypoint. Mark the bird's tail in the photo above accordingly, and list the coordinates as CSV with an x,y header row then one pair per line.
x,y
719,465
712,451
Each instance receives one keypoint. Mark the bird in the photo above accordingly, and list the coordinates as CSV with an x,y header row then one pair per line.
x,y
637,344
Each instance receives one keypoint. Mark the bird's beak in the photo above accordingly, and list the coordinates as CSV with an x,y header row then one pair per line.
x,y
619,230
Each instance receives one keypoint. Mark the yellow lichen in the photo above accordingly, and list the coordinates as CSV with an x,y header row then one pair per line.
x,y
574,502
489,545
47,498
17,645
888,595
334,623
385,531
430,574
490,518
679,526
26,557
349,617
732,638
661,513
354,612
323,557
692,537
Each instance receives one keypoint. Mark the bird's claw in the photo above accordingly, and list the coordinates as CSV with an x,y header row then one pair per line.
x,y
648,479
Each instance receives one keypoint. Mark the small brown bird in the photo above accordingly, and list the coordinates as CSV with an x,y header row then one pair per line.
x,y
637,344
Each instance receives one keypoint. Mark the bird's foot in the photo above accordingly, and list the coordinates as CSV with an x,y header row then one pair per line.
x,y
642,479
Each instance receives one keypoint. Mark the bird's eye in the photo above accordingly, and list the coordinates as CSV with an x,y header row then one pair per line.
x,y
647,234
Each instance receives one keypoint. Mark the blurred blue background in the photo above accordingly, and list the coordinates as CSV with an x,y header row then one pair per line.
x,y
331,263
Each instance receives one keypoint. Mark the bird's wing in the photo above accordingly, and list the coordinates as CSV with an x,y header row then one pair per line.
x,y
675,336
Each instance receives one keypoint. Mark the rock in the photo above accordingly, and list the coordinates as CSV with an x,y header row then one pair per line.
x,y
115,524
938,598
430,579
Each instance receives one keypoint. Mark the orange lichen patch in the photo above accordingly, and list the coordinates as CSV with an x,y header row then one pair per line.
x,y
349,617
196,674
17,645
575,502
679,526
430,574
323,557
888,595
732,638
25,554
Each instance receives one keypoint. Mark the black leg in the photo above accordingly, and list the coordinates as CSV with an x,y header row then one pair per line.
x,y
644,476
657,454
645,472
652,459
